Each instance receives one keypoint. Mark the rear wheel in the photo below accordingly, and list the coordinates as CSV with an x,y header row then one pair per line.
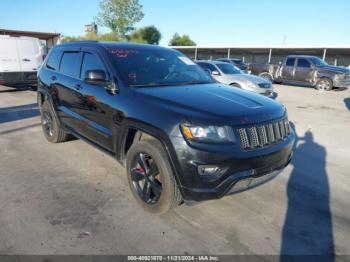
x,y
267,76
324,84
150,177
52,131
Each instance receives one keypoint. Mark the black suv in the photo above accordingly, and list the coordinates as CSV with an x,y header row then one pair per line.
x,y
180,135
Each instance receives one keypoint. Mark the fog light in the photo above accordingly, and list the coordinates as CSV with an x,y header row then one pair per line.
x,y
208,170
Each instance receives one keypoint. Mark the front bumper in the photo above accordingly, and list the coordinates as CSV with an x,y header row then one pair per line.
x,y
341,83
14,78
243,170
270,94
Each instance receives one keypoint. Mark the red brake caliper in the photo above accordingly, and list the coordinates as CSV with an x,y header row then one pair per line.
x,y
140,170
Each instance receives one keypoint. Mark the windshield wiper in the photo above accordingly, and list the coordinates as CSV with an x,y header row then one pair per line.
x,y
170,84
153,84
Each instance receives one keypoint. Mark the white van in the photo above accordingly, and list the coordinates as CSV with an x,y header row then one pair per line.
x,y
20,59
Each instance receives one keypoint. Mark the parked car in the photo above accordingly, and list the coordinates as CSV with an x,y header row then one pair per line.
x,y
20,59
180,135
230,75
304,70
236,62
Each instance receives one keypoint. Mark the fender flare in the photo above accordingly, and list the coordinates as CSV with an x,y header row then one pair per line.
x,y
154,132
43,95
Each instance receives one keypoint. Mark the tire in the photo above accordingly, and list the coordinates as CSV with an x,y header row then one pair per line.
x,y
267,76
52,131
153,187
324,84
235,85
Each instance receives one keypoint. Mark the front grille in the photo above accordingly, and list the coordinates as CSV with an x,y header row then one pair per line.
x,y
264,85
263,135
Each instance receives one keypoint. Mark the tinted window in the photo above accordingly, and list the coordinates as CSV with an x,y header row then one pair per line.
x,y
53,60
290,62
229,69
70,63
156,66
90,62
211,67
205,66
202,65
303,63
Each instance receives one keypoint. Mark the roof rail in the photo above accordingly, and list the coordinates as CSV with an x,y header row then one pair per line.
x,y
82,41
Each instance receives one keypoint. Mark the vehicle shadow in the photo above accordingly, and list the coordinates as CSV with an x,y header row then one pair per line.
x,y
347,103
14,113
307,228
335,89
16,88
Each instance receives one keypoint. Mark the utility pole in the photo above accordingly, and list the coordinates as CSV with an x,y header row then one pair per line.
x,y
284,40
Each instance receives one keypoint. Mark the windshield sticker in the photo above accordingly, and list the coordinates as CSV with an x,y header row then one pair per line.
x,y
186,60
123,53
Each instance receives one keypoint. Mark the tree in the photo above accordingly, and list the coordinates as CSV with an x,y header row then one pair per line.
x,y
179,40
120,15
92,36
148,35
66,39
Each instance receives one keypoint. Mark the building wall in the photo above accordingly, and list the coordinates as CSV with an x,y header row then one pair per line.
x,y
334,56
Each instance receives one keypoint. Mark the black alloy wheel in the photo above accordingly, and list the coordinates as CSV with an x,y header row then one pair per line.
x,y
47,124
146,178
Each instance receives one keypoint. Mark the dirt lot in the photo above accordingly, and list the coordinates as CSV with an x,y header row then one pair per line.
x,y
72,199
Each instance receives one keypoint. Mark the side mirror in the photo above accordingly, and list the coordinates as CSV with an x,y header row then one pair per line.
x,y
95,77
99,77
215,73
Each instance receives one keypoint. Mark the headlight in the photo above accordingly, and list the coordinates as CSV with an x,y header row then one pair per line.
x,y
210,134
250,84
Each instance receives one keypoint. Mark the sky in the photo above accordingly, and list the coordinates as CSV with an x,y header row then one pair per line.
x,y
208,22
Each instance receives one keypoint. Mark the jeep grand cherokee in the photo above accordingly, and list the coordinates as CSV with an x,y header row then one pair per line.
x,y
180,135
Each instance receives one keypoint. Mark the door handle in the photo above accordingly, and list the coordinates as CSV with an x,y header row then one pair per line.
x,y
53,78
78,87
26,60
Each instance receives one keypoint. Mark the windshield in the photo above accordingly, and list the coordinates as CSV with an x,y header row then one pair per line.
x,y
155,67
238,61
229,69
317,61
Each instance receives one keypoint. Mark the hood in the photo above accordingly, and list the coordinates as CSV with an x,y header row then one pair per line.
x,y
335,69
247,77
213,102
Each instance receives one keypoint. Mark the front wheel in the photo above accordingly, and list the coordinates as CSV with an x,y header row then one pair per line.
x,y
266,76
324,84
52,130
150,177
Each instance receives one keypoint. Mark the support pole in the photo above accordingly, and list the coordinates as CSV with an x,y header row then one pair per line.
x,y
270,54
195,54
228,53
324,54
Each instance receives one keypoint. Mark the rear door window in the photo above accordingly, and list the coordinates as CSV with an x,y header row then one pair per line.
x,y
53,61
303,63
70,64
90,62
290,62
